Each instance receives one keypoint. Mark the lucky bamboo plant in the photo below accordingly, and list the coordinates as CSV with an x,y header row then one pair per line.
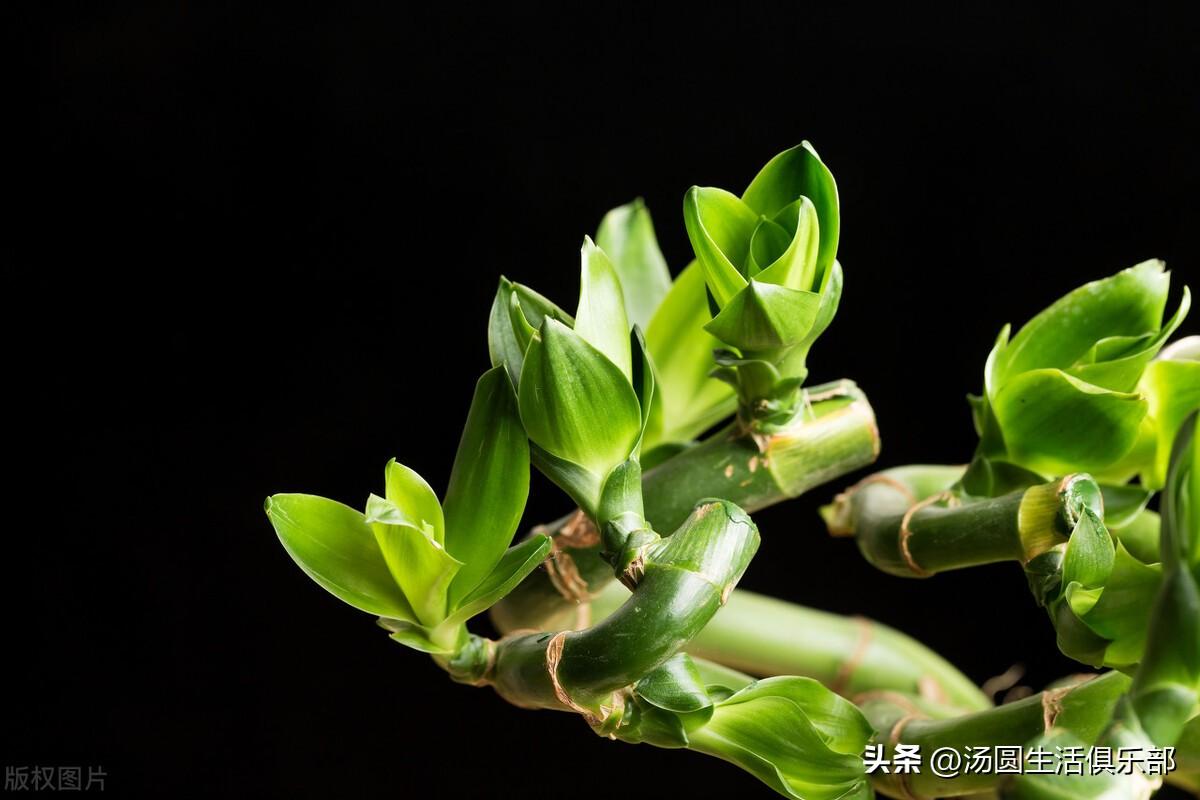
x,y
608,402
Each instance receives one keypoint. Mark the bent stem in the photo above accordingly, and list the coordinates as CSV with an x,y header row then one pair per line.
x,y
833,434
628,681
763,636
686,578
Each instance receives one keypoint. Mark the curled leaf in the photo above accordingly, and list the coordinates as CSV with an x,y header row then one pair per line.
x,y
720,226
600,319
692,401
794,735
1057,424
418,562
577,405
414,500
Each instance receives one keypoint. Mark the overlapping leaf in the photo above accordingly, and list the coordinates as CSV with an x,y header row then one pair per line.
x,y
794,735
418,562
409,561
577,406
600,319
626,235
516,312
488,484
692,401
769,262
1063,394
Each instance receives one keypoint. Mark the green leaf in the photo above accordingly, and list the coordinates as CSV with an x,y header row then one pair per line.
x,y
521,329
418,562
583,485
755,377
413,636
675,686
987,477
1057,424
798,745
765,317
1121,374
600,319
1081,600
795,173
1181,501
768,243
1172,388
415,501
719,226
1123,503
681,351
991,368
488,484
795,363
1090,553
1130,303
1073,637
575,403
626,234
505,347
1166,687
512,568
1140,537
335,547
1122,611
644,384
537,308
837,720
796,266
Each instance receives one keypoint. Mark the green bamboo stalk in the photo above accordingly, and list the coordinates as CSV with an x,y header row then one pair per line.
x,y
763,636
628,681
685,579
833,434
910,521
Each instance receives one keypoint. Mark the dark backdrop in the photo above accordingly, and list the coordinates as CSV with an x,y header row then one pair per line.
x,y
254,252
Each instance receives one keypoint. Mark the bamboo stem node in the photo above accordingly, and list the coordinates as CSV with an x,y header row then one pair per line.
x,y
846,671
843,526
947,497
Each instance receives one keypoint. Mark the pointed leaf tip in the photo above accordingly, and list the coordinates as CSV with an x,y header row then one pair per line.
x,y
626,235
600,318
489,482
414,499
575,403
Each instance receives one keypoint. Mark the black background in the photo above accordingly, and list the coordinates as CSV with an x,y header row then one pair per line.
x,y
253,252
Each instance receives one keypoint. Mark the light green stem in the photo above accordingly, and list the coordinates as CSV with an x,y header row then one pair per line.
x,y
763,636
911,521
